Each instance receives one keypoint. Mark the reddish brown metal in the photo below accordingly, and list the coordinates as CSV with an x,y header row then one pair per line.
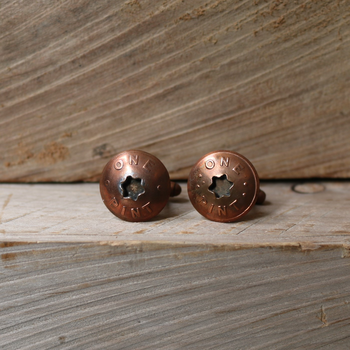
x,y
135,186
261,197
175,189
223,186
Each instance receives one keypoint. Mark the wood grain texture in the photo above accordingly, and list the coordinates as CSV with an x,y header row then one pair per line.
x,y
139,296
75,213
73,276
83,80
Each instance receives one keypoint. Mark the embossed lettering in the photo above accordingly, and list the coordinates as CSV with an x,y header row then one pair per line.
x,y
211,208
114,202
119,164
233,204
238,168
134,159
222,210
204,200
123,210
225,161
135,212
149,165
147,207
209,164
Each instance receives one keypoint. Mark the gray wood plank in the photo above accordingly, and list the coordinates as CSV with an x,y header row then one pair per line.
x,y
83,80
277,280
75,213
151,296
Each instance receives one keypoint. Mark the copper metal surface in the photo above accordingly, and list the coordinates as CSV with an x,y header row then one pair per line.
x,y
135,186
223,186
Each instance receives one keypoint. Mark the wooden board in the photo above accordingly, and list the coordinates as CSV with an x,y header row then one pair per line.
x,y
83,80
91,296
75,213
73,276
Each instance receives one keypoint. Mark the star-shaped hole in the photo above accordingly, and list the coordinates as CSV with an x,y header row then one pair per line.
x,y
220,186
132,188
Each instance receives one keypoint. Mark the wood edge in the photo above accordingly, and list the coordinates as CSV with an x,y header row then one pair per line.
x,y
142,246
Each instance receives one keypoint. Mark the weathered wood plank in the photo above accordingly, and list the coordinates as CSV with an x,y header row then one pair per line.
x,y
277,280
159,296
82,80
75,213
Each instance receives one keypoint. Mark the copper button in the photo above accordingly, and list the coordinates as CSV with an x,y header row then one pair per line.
x,y
224,186
135,186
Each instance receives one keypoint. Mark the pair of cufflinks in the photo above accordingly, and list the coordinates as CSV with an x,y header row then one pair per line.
x,y
222,186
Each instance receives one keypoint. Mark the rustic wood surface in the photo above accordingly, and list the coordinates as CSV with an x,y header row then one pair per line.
x,y
83,80
91,296
277,280
75,213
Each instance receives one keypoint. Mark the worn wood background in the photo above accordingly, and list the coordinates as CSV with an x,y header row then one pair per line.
x,y
317,219
82,80
73,276
91,296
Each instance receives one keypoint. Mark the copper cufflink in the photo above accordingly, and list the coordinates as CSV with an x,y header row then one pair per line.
x,y
135,186
222,186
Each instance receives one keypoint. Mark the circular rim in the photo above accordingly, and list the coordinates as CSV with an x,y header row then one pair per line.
x,y
151,176
217,164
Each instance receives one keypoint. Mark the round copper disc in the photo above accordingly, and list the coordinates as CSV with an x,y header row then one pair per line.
x,y
223,186
135,185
